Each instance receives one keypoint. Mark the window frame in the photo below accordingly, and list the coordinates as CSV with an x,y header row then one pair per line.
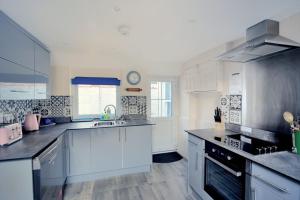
x,y
75,104
172,98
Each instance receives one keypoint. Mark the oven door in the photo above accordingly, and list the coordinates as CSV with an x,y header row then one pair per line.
x,y
222,182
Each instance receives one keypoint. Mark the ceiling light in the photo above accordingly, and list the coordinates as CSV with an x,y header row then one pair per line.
x,y
116,8
124,30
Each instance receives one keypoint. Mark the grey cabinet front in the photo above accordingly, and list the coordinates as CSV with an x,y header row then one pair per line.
x,y
106,149
80,152
42,60
137,146
15,46
16,81
196,164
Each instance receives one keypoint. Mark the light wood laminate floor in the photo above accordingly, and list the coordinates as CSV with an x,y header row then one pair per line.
x,y
164,182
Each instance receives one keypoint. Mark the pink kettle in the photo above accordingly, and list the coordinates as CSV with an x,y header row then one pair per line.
x,y
32,122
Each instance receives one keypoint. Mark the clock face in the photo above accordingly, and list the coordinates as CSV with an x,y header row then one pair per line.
x,y
133,77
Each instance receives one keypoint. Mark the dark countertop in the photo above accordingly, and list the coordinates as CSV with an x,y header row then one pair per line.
x,y
33,143
283,162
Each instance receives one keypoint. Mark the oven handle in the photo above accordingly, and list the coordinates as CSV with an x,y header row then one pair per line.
x,y
233,172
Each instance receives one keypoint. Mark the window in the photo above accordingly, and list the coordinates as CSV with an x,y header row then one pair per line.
x,y
92,99
161,99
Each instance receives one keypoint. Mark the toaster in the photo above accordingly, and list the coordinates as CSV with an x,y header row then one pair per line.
x,y
10,133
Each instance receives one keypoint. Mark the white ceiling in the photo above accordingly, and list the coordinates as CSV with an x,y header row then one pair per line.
x,y
163,33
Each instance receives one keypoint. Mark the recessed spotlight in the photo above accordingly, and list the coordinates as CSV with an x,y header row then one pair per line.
x,y
124,30
192,21
116,8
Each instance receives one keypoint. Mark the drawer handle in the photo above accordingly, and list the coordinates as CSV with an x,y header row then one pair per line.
x,y
284,190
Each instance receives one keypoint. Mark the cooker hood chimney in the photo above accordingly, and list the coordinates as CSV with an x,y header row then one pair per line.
x,y
261,39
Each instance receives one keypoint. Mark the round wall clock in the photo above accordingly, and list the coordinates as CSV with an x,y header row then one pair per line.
x,y
133,77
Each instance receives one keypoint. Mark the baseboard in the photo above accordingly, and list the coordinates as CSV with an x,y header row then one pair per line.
x,y
106,174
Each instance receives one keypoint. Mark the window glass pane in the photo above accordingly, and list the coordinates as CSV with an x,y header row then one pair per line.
x,y
88,100
166,110
107,96
161,99
154,90
92,99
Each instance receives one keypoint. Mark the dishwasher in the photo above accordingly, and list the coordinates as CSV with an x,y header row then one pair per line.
x,y
49,172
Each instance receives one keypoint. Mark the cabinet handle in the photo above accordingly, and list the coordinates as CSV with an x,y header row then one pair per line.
x,y
69,164
284,190
119,135
197,157
253,194
125,135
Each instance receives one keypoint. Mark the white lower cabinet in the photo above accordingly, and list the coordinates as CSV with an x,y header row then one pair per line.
x,y
105,150
266,184
196,153
137,146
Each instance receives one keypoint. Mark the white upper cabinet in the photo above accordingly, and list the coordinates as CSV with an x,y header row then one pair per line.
x,y
42,60
202,77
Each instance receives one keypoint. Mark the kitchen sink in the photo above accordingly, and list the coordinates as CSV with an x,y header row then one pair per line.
x,y
109,123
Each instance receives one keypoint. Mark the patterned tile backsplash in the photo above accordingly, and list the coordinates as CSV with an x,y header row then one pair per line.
x,y
56,106
134,105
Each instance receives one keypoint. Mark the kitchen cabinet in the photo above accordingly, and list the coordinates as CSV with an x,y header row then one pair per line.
x,y
196,153
202,77
137,146
25,63
79,152
16,81
266,184
99,152
15,45
42,60
106,149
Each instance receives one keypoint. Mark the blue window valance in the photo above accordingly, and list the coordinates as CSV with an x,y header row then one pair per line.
x,y
95,81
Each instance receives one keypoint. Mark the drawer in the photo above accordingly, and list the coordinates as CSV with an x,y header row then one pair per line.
x,y
275,180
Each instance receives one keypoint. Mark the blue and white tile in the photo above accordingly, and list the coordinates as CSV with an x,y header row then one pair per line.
x,y
235,102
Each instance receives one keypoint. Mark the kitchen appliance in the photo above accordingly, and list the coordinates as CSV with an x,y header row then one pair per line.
x,y
49,172
32,122
249,144
10,133
261,39
225,176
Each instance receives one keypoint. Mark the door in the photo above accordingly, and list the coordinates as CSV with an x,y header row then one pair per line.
x,y
137,146
163,114
196,166
106,149
80,152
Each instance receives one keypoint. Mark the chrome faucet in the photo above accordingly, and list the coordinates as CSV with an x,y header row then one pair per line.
x,y
107,110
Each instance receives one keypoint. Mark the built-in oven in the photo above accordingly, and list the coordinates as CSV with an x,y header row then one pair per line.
x,y
49,172
224,173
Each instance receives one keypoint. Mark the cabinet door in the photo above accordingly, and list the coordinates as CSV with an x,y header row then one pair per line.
x,y
106,149
42,60
261,191
15,46
80,152
137,146
196,164
41,85
16,82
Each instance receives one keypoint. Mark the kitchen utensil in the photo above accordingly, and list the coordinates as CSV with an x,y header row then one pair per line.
x,y
32,122
289,118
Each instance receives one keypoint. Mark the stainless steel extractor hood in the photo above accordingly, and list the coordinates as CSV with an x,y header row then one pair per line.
x,y
261,39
